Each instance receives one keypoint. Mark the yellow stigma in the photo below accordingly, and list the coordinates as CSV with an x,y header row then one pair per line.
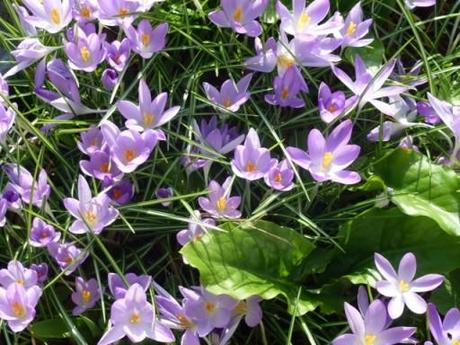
x,y
68,260
221,203
123,12
286,60
278,178
105,167
332,108
303,20
404,286
86,296
351,28
18,310
210,307
250,167
85,54
129,154
285,93
370,339
237,14
145,39
455,342
241,308
227,102
55,16
20,281
327,160
85,12
198,237
148,119
135,318
90,217
184,321
116,193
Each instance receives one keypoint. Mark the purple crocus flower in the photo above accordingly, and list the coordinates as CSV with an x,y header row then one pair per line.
x,y
219,203
134,317
92,214
50,15
149,114
401,287
7,118
370,88
306,20
86,294
67,256
250,309
333,105
118,287
22,181
117,12
27,53
87,52
287,88
420,3
280,177
23,15
3,209
4,88
231,95
164,193
147,40
85,10
42,233
192,160
266,56
447,331
42,272
252,161
17,274
118,53
240,16
17,305
12,197
372,328
101,166
355,29
197,227
121,193
328,157
208,311
109,79
92,140
146,5
426,110
129,148
410,76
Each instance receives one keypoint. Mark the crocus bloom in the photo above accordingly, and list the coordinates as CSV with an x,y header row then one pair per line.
x,y
3,209
447,331
332,105
240,15
86,294
231,96
287,88
27,53
250,309
92,140
22,181
87,52
42,233
118,53
16,273
355,29
117,12
121,193
197,227
149,114
164,193
146,40
17,305
252,161
370,88
134,317
372,328
42,272
67,256
118,287
306,20
409,76
328,157
266,56
219,203
420,3
129,148
91,213
23,15
280,177
101,166
50,15
85,10
109,79
426,110
4,88
401,287
7,118
12,197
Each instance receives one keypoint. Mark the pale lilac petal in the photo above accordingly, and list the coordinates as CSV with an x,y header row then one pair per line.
x,y
414,302
355,320
385,268
395,335
387,289
407,267
396,307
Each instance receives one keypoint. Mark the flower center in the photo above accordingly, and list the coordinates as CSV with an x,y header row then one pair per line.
x,y
85,12
455,342
351,28
86,296
183,320
403,286
303,20
241,308
370,339
20,281
55,16
285,61
285,93
18,310
148,119
221,203
135,318
227,102
122,12
237,14
116,193
68,259
278,178
85,54
197,237
90,217
129,154
250,167
332,108
44,235
145,39
210,307
105,167
95,142
327,160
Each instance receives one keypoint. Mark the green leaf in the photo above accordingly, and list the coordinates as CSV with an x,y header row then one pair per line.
x,y
260,258
422,188
448,295
50,329
372,54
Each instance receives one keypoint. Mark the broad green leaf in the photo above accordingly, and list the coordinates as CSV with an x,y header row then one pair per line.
x,y
258,258
448,295
372,54
50,329
421,188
